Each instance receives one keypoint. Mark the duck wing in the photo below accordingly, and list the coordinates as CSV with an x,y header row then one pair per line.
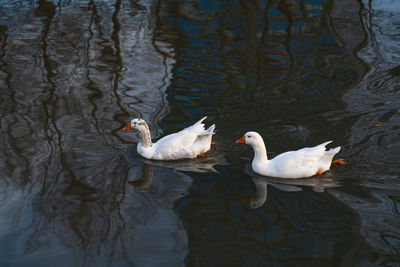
x,y
183,138
301,158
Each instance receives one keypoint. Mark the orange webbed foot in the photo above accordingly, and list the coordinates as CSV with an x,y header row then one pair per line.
x,y
202,155
339,162
319,172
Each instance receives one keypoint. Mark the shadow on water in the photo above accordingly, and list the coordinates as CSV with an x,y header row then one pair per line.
x,y
299,72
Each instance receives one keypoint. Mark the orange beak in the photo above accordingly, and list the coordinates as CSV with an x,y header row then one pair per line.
x,y
241,140
127,127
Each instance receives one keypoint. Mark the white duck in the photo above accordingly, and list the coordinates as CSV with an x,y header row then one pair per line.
x,y
302,163
188,143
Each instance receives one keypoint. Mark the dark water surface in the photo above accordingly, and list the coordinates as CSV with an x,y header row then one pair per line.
x,y
300,72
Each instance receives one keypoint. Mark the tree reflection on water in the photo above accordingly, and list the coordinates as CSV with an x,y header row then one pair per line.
x,y
73,73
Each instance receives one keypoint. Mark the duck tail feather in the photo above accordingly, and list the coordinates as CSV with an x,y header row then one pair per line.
x,y
211,129
201,120
326,143
333,150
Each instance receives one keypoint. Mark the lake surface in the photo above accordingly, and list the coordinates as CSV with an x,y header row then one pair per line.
x,y
73,191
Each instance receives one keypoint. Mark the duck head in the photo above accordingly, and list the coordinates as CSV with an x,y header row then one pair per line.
x,y
144,131
250,138
257,143
137,124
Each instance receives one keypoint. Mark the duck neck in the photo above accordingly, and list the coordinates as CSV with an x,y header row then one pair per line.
x,y
145,138
260,152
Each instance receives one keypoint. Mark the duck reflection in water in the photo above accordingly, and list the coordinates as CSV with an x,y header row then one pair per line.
x,y
158,235
259,197
144,184
145,181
